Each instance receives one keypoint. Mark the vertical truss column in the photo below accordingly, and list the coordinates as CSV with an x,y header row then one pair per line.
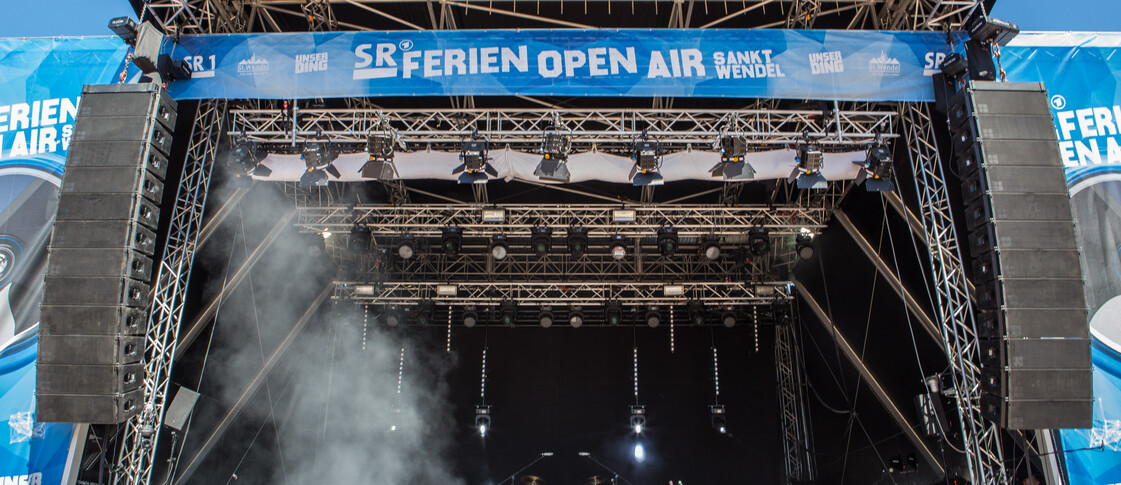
x,y
797,440
141,432
981,438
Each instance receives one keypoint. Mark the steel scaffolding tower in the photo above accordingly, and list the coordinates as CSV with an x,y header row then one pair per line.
x,y
797,439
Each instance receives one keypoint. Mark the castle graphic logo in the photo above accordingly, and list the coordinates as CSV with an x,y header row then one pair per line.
x,y
884,65
252,66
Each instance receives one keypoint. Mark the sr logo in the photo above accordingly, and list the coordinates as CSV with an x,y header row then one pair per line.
x,y
201,66
933,61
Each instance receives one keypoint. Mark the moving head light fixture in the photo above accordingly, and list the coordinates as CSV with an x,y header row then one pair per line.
x,y
475,169
555,146
733,159
319,158
647,156
577,241
810,159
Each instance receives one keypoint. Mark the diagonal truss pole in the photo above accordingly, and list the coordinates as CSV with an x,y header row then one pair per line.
x,y
981,437
893,279
254,385
870,380
138,452
211,308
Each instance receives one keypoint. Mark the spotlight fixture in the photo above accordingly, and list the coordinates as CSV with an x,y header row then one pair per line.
x,y
424,312
728,317
359,239
319,158
638,418
244,158
667,240
876,173
482,419
719,419
379,148
810,159
647,156
392,316
452,240
733,160
508,313
618,247
759,241
474,169
545,317
613,313
541,240
470,316
577,241
499,248
554,157
576,317
710,247
406,248
803,244
653,318
696,313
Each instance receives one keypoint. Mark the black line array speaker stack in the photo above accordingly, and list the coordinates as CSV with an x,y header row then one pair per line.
x,y
100,259
1030,308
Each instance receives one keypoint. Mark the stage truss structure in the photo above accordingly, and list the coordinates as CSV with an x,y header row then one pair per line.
x,y
137,454
588,129
141,433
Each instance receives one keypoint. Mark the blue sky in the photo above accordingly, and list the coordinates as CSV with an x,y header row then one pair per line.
x,y
44,18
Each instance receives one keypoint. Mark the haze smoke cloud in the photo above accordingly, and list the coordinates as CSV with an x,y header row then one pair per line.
x,y
339,417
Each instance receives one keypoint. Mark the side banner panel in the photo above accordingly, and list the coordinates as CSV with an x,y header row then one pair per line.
x,y
854,66
1082,72
40,84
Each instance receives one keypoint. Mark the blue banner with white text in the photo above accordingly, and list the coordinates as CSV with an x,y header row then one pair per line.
x,y
788,64
1082,72
40,88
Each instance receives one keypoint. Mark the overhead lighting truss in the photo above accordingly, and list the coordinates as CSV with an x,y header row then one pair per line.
x,y
606,130
630,295
597,220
